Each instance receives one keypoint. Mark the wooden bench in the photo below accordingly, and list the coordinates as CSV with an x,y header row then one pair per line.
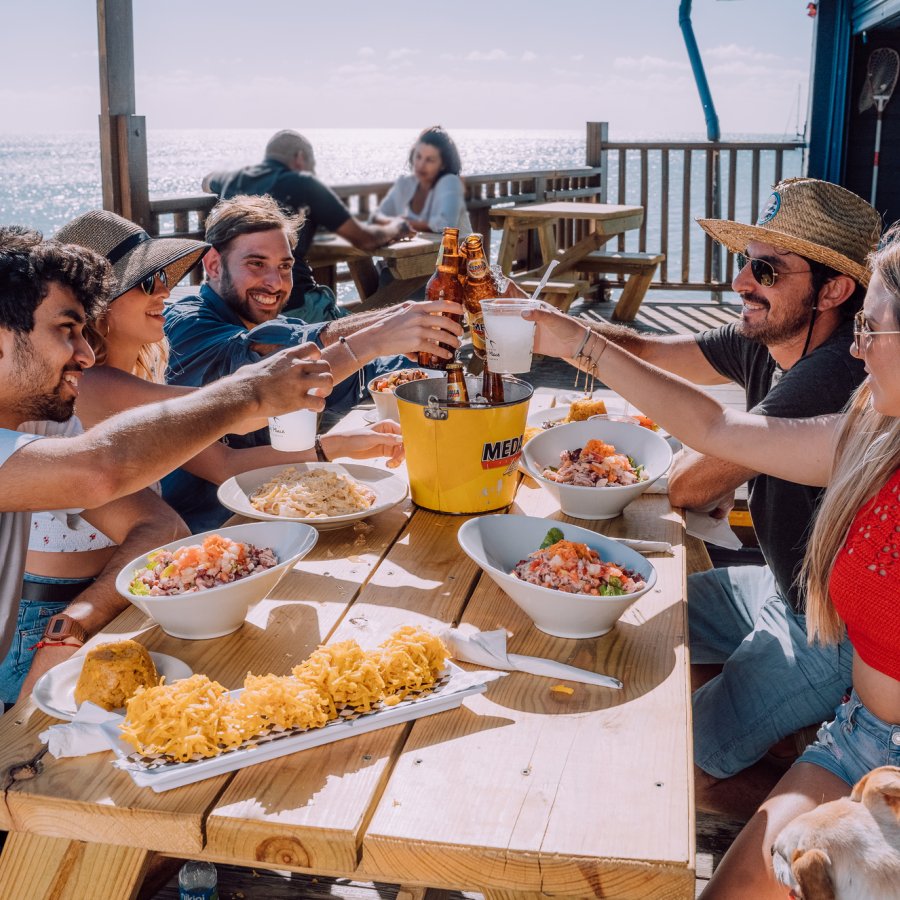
x,y
560,294
639,269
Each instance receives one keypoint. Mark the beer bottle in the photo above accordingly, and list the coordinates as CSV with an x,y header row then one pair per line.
x,y
492,387
444,285
479,286
457,392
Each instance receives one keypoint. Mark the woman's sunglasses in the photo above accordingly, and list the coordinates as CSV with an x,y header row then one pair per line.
x,y
862,334
762,271
148,284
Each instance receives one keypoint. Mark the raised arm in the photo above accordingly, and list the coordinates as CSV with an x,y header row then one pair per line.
x,y
137,447
760,443
679,354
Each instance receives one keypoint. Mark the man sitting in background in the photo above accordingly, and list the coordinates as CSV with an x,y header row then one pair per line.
x,y
287,173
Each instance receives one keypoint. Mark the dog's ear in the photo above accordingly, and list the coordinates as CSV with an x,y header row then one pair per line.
x,y
882,785
859,788
811,872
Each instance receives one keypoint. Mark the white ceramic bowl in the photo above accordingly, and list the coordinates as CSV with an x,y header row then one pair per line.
x,y
498,543
220,610
386,402
643,445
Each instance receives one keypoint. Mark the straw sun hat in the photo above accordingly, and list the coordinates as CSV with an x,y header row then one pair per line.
x,y
133,253
812,218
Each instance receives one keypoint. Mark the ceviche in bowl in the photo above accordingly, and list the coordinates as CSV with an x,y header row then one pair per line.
x,y
382,389
202,586
571,581
597,467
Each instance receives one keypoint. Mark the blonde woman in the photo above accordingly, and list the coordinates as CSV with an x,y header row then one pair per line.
x,y
851,572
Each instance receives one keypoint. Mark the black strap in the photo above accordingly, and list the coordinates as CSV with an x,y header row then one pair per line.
x,y
42,592
126,246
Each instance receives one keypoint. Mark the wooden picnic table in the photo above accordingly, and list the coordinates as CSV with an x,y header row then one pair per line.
x,y
605,220
522,791
410,263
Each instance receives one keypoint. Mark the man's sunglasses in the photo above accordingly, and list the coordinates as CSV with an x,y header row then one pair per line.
x,y
862,334
762,271
148,284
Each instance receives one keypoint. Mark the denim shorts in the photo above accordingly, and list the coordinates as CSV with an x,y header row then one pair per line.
x,y
772,681
32,620
854,743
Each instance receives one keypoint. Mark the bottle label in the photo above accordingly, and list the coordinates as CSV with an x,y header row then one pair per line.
x,y
454,392
198,893
476,325
477,268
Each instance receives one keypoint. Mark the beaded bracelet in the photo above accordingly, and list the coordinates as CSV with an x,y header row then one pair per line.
x,y
359,366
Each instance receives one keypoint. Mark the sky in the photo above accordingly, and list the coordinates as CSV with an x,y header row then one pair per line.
x,y
401,63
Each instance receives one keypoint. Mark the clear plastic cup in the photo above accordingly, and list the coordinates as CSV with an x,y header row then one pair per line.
x,y
293,431
508,338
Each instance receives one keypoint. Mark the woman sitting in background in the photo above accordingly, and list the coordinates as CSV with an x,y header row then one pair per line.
x,y
432,197
851,572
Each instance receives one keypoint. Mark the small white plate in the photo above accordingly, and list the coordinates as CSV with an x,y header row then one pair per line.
x,y
615,406
389,489
54,691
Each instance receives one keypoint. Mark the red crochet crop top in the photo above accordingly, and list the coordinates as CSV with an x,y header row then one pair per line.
x,y
865,581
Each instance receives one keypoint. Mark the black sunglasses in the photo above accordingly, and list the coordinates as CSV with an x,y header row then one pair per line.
x,y
148,284
763,272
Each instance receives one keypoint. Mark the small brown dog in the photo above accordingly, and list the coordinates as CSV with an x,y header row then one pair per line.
x,y
848,849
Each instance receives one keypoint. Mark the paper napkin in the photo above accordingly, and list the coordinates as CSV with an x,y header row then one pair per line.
x,y
488,648
82,735
714,531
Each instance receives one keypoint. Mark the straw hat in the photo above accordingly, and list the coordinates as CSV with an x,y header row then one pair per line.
x,y
134,254
812,218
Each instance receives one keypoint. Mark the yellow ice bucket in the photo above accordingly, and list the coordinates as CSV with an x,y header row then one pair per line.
x,y
462,459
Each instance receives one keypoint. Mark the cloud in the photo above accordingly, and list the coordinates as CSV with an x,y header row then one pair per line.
x,y
648,64
402,53
365,51
495,55
361,68
528,56
733,51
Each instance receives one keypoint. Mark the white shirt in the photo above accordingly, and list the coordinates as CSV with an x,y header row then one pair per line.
x,y
445,205
13,545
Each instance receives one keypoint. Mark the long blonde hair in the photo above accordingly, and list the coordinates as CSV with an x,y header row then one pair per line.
x,y
867,455
151,361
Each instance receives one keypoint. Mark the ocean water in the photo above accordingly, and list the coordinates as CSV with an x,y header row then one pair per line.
x,y
47,179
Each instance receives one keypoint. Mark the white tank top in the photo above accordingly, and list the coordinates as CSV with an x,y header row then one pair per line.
x,y
59,532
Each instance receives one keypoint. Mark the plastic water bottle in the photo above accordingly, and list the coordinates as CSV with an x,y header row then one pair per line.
x,y
198,881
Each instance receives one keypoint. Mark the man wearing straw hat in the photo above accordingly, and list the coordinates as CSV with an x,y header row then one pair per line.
x,y
48,291
802,277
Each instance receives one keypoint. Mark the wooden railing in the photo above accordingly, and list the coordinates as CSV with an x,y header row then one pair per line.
x,y
675,182
679,182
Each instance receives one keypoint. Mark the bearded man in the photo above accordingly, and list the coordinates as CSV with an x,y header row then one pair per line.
x,y
236,319
802,276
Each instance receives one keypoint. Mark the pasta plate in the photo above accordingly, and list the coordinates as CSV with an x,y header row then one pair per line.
x,y
389,490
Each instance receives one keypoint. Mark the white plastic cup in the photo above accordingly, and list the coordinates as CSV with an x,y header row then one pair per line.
x,y
508,338
293,431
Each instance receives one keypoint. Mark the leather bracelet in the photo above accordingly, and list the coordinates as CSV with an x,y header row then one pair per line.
x,y
320,452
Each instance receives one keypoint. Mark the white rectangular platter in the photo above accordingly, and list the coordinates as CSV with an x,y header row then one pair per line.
x,y
450,694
